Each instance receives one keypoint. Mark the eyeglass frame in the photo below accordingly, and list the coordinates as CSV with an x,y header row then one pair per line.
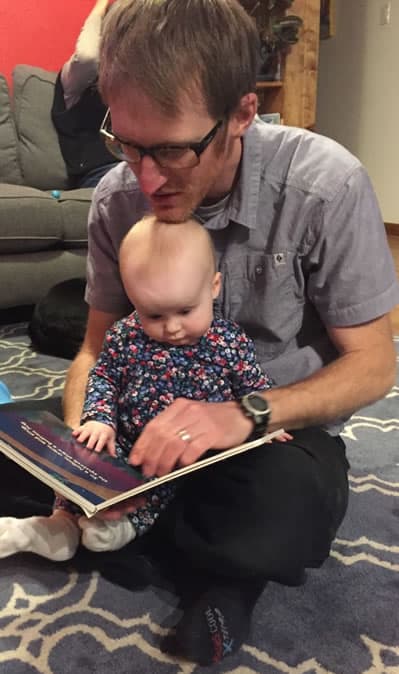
x,y
198,148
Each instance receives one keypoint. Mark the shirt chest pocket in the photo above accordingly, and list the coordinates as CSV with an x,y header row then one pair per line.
x,y
264,293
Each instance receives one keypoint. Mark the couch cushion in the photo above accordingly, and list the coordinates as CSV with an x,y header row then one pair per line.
x,y
9,166
30,220
40,156
75,206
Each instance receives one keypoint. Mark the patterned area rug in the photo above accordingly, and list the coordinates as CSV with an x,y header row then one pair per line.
x,y
344,620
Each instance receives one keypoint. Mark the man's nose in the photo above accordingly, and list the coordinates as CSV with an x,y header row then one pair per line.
x,y
150,176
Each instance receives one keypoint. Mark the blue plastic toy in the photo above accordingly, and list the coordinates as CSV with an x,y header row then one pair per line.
x,y
5,395
56,194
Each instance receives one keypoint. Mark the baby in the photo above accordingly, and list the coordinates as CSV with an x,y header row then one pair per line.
x,y
170,347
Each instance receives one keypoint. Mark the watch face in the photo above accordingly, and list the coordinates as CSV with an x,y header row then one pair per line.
x,y
258,403
257,408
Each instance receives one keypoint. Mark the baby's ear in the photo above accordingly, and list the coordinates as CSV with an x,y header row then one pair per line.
x,y
216,284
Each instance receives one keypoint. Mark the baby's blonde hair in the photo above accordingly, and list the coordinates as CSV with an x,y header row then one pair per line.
x,y
152,246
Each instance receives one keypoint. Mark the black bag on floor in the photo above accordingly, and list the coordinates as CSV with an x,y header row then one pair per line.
x,y
58,323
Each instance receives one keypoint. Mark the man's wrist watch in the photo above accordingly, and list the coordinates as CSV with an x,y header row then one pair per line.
x,y
256,408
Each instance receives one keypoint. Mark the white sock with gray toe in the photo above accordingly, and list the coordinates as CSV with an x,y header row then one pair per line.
x,y
55,537
104,535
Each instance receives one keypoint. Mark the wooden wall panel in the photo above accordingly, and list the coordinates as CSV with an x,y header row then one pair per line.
x,y
296,98
300,74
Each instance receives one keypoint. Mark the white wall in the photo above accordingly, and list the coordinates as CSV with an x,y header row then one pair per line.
x,y
358,93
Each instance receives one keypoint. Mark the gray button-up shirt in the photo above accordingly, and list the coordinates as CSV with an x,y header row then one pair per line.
x,y
300,243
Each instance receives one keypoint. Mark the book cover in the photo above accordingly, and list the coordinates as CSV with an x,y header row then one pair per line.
x,y
43,445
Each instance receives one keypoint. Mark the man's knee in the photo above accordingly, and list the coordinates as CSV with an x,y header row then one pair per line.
x,y
273,510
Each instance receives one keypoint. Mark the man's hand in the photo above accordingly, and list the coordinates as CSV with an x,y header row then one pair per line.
x,y
101,6
96,435
184,431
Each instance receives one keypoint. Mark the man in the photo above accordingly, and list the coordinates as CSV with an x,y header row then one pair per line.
x,y
306,271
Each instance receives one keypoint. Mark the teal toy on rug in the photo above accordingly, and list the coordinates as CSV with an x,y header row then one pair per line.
x,y
5,395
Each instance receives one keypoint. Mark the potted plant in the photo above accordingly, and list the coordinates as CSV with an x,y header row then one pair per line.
x,y
277,31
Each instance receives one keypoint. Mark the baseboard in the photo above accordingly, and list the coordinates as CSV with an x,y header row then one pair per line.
x,y
392,228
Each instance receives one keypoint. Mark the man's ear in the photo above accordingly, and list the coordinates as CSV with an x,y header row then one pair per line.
x,y
216,285
242,117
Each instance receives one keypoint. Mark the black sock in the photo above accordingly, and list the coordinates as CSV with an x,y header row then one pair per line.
x,y
215,624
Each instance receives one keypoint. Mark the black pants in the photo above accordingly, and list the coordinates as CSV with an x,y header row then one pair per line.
x,y
268,513
271,512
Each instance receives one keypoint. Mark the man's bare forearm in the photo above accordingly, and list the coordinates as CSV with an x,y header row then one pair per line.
x,y
75,388
357,378
323,397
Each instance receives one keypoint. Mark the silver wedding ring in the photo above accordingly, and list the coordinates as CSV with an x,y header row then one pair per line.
x,y
184,435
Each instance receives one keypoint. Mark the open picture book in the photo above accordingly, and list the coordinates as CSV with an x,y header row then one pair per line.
x,y
43,445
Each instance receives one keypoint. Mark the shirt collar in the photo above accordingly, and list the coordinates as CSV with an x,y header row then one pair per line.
x,y
242,206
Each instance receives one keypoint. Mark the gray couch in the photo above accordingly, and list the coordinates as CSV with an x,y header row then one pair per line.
x,y
43,239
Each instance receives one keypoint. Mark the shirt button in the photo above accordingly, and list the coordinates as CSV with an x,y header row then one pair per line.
x,y
259,269
279,258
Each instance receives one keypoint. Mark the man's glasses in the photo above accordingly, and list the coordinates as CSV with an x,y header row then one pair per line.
x,y
167,156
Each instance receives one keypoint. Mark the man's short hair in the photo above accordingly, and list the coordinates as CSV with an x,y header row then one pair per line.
x,y
168,48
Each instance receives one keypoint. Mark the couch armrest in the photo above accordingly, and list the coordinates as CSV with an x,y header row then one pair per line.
x,y
10,171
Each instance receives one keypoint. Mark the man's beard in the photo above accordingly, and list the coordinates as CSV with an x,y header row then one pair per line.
x,y
187,203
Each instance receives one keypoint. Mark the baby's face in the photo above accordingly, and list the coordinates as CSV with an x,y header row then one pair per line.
x,y
176,310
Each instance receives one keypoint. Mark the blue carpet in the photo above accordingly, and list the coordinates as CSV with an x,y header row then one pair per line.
x,y
344,620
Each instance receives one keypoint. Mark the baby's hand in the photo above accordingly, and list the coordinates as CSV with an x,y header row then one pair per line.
x,y
96,435
283,437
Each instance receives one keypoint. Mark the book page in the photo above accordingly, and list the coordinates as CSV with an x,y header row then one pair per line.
x,y
43,442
